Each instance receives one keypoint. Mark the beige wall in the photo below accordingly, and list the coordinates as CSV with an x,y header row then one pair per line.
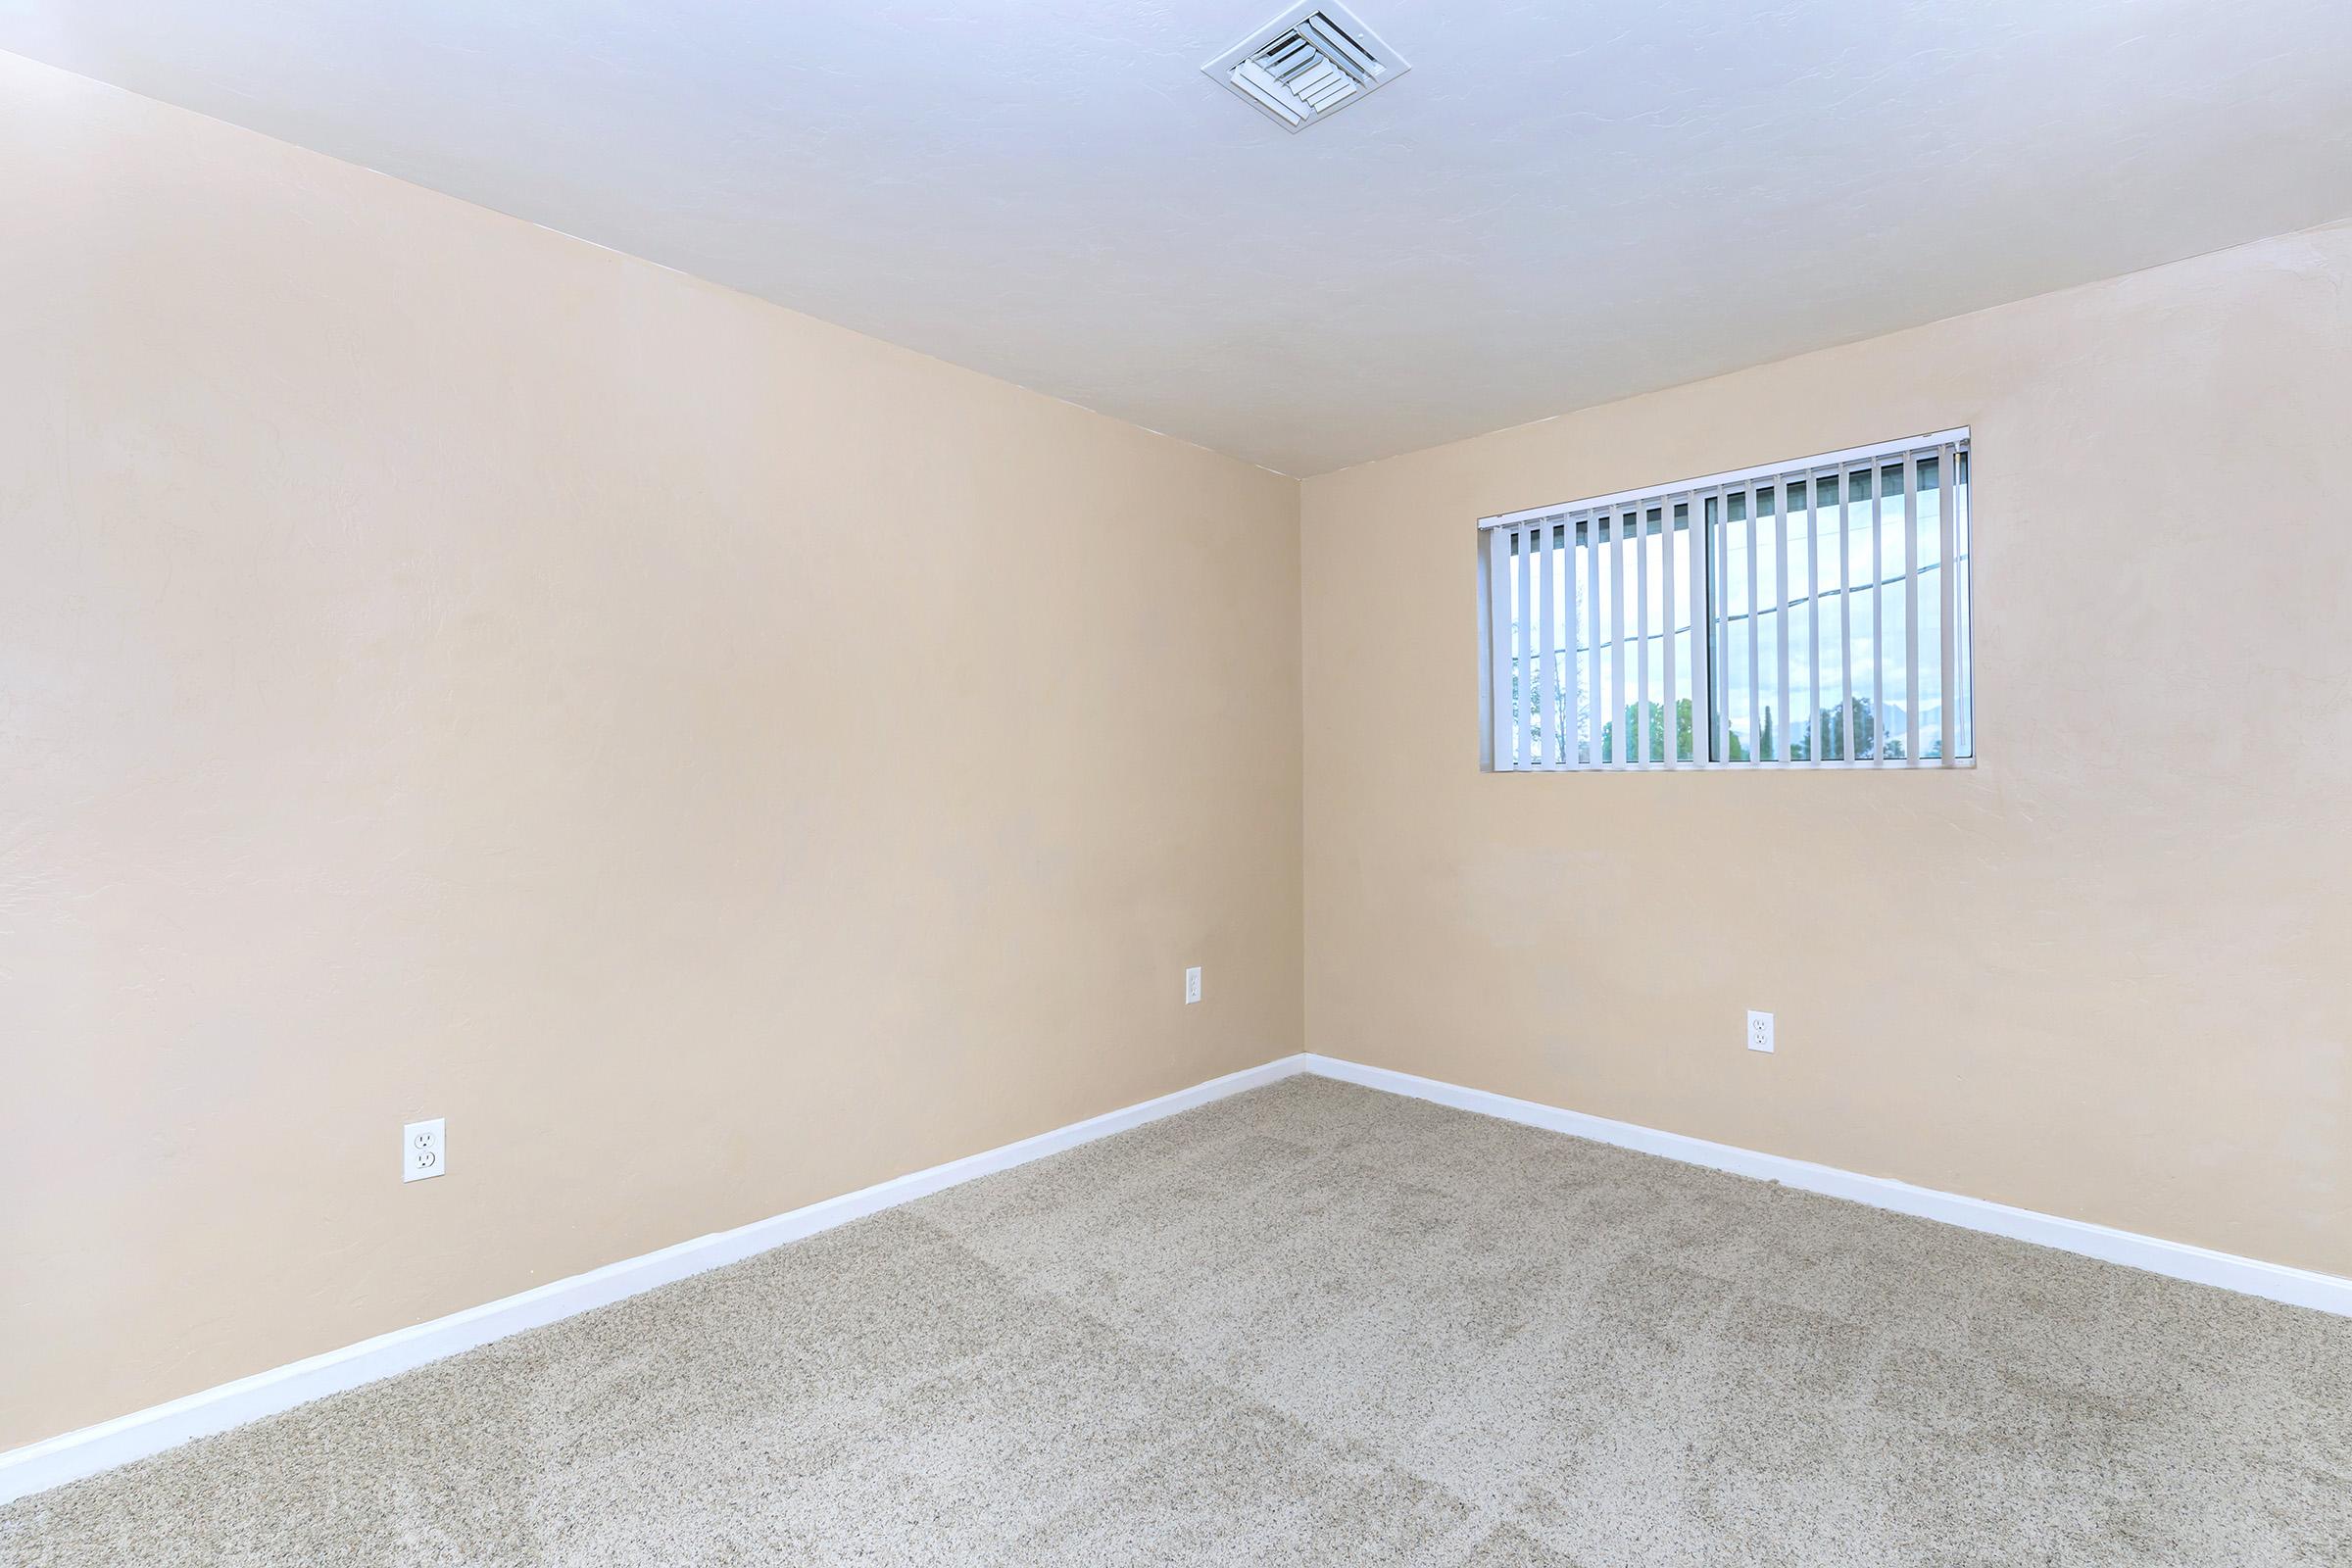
x,y
714,759
2102,975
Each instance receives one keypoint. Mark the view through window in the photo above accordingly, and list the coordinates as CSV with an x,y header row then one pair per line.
x,y
1807,613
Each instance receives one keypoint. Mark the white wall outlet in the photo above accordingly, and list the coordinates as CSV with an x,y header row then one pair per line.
x,y
1192,984
1759,1030
424,1149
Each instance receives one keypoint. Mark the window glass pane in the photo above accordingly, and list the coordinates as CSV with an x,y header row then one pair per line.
x,y
1559,633
1628,726
1753,622
1623,615
1863,595
1849,737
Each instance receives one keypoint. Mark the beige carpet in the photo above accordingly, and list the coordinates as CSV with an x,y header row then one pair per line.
x,y
1315,1325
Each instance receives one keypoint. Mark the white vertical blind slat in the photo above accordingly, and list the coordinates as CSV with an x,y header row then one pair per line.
x,y
1593,593
1571,678
1911,608
1813,619
1780,588
1666,597
1604,621
1702,697
1530,755
1948,684
1845,617
1518,725
1545,620
1962,591
1498,645
1719,572
1755,654
1641,725
1878,618
1619,751
1507,721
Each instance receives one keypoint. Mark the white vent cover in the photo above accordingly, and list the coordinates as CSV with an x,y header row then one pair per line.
x,y
1306,63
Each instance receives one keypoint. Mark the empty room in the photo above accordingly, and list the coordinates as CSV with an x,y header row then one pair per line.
x,y
1466,785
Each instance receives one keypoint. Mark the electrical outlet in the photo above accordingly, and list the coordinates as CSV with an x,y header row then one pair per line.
x,y
1759,1030
424,1149
1192,984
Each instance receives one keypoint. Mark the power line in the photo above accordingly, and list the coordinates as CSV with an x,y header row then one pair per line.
x,y
1733,621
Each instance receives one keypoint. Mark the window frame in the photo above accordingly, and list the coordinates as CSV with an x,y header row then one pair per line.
x,y
1705,503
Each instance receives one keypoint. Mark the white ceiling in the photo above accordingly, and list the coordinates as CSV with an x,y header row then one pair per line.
x,y
1562,204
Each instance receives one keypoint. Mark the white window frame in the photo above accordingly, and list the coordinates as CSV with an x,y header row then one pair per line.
x,y
1504,740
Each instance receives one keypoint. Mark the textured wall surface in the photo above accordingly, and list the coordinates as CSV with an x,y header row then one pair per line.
x,y
714,759
2101,976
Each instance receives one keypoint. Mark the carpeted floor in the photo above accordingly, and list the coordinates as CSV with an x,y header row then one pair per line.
x,y
1315,1325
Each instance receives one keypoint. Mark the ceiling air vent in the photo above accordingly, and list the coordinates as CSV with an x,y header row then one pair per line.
x,y
1307,63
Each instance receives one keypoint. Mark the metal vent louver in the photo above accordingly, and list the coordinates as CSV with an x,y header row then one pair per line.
x,y
1306,65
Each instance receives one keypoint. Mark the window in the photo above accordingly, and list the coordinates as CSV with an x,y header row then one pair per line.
x,y
1807,614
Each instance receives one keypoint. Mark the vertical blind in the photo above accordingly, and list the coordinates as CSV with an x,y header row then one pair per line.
x,y
1803,614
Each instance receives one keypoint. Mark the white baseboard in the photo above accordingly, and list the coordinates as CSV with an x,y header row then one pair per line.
x,y
95,1448
2248,1275
75,1455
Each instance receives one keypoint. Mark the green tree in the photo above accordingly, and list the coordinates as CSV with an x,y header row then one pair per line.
x,y
1849,732
1631,723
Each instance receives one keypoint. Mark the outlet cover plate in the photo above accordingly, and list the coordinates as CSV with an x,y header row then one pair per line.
x,y
424,1149
1759,1030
